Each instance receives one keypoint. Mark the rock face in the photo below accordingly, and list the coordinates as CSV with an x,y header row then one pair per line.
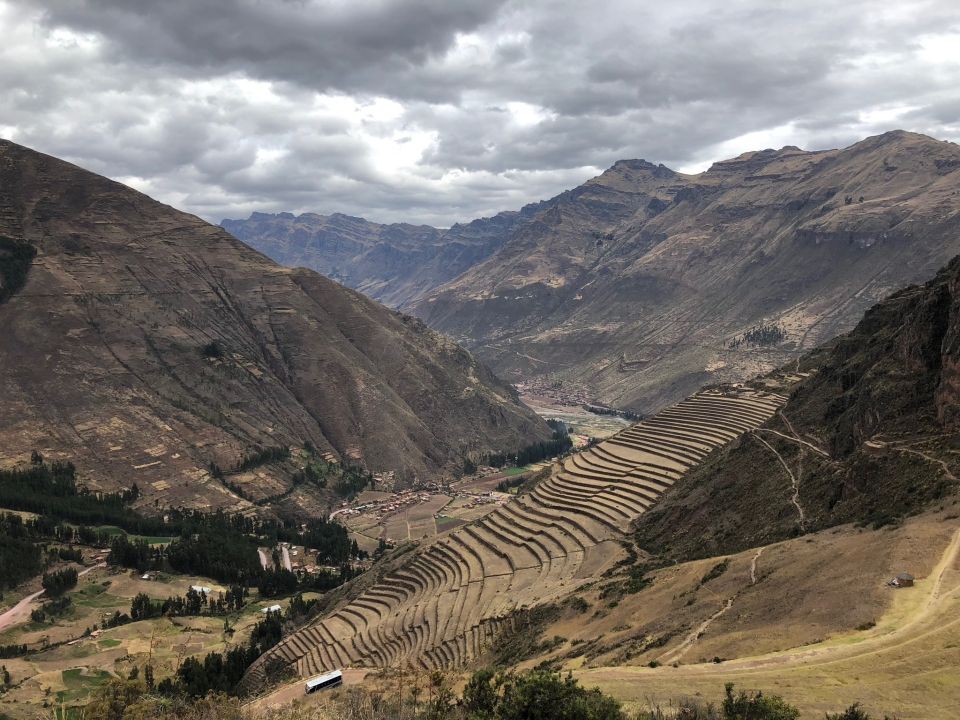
x,y
394,264
145,344
643,284
869,435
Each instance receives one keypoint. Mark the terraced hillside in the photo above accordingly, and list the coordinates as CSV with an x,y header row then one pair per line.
x,y
441,607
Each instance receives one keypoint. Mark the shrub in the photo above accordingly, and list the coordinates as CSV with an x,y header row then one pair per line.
x,y
535,695
756,706
15,259
716,571
212,350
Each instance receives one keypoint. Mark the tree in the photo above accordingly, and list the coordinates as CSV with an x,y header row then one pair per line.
x,y
480,695
57,583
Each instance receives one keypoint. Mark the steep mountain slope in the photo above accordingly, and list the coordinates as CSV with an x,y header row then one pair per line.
x,y
144,344
870,435
641,284
394,264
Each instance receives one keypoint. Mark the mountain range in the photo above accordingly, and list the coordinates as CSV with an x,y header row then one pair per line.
x,y
644,284
147,346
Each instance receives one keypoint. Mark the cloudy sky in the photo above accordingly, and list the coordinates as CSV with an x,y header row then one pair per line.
x,y
443,110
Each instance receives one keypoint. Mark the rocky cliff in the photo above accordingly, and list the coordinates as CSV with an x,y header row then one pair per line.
x,y
144,344
869,435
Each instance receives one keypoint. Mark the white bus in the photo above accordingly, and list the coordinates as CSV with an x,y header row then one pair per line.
x,y
322,682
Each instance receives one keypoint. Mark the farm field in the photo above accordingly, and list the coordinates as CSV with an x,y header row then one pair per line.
x,y
76,664
582,423
444,605
418,515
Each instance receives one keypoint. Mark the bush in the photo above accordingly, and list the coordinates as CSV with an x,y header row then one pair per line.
x,y
535,695
716,571
756,706
854,712
15,259
212,350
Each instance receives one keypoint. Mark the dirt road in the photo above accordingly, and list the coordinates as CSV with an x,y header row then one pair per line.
x,y
21,611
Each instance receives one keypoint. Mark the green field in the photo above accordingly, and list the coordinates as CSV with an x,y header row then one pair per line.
x,y
79,683
151,539
444,522
510,472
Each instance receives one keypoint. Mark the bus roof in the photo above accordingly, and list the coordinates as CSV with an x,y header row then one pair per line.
x,y
324,678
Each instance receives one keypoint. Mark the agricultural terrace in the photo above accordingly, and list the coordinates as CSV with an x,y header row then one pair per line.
x,y
452,597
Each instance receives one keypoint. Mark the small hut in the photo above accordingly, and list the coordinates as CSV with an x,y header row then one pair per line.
x,y
902,580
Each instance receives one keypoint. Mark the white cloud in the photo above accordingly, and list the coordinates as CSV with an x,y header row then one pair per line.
x,y
443,110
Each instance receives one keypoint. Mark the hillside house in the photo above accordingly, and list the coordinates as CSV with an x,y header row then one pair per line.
x,y
901,580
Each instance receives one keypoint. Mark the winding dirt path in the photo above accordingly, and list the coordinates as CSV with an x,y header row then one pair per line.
x,y
795,498
681,649
21,611
753,565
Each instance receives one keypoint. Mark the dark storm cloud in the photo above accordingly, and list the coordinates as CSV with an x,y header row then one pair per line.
x,y
442,110
350,46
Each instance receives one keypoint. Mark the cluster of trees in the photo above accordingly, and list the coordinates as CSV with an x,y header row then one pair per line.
x,y
263,456
506,485
212,349
216,545
225,549
15,259
50,609
331,541
51,490
12,651
193,603
66,554
345,479
761,335
534,452
136,553
229,557
59,581
20,558
221,672
604,410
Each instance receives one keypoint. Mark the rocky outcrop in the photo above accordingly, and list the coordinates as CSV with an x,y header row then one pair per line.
x,y
146,344
868,435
